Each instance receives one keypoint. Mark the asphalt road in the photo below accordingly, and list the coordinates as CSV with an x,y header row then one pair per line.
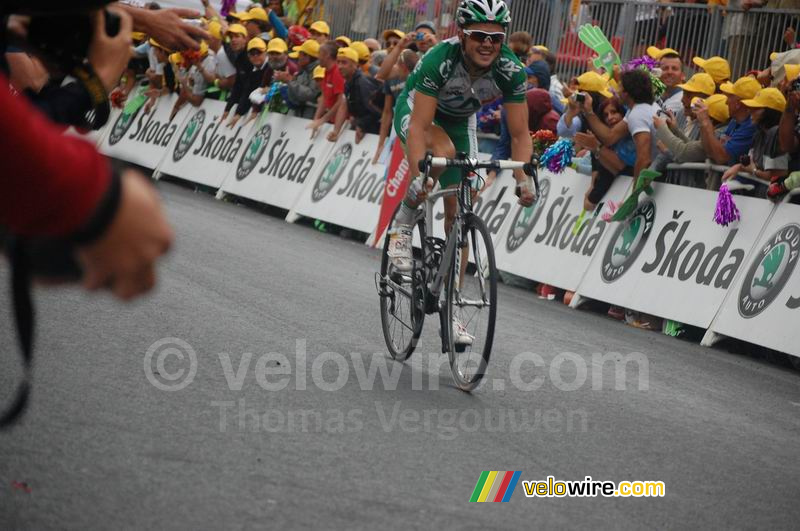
x,y
102,447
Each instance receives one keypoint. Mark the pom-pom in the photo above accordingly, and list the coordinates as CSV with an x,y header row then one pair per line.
x,y
612,209
644,61
542,139
726,211
228,6
558,156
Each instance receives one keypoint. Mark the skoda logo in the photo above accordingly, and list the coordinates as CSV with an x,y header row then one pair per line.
x,y
526,218
331,172
189,135
121,126
770,270
253,152
628,241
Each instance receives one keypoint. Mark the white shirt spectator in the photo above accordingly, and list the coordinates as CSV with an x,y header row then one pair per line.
x,y
640,120
225,68
196,79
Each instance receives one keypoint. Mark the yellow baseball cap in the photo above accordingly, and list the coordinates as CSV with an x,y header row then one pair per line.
x,y
215,29
792,71
658,53
591,81
345,39
541,47
138,35
389,32
362,50
745,88
319,72
238,29
769,98
717,67
309,47
321,26
257,13
257,43
718,107
347,53
277,45
701,83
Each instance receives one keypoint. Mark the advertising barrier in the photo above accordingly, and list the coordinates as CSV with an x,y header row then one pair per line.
x,y
348,189
277,161
539,242
670,259
761,304
144,138
206,149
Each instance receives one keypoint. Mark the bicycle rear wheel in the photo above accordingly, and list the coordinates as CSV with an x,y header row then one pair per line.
x,y
472,302
402,299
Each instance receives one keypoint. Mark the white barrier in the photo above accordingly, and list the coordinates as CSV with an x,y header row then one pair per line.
x,y
278,161
145,138
670,259
761,304
538,242
348,189
206,149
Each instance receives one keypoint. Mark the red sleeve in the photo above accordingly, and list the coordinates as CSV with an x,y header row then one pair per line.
x,y
338,82
52,183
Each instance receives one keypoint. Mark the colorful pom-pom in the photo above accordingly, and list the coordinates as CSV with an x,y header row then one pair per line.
x,y
558,156
726,211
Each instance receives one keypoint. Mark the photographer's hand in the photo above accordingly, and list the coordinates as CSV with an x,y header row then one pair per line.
x,y
123,259
167,26
109,56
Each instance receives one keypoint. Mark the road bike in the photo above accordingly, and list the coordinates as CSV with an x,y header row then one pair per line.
x,y
460,285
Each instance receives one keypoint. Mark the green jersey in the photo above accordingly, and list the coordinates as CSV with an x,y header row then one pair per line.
x,y
442,74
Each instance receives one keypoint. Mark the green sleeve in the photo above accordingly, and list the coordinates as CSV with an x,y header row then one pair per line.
x,y
429,77
511,77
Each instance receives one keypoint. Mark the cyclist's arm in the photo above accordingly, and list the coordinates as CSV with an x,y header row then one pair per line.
x,y
521,145
421,120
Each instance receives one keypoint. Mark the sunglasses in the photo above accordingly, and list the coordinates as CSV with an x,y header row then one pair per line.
x,y
497,37
255,52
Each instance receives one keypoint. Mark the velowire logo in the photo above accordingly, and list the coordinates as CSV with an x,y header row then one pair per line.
x,y
771,269
189,135
332,171
253,152
526,218
494,486
628,241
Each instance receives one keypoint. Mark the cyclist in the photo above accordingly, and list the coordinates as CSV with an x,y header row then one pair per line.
x,y
436,112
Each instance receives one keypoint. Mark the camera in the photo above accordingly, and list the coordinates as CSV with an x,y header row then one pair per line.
x,y
744,160
420,36
579,97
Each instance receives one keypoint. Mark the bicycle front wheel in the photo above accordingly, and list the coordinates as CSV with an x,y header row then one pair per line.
x,y
471,305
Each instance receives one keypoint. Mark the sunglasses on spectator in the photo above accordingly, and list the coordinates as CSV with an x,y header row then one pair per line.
x,y
497,37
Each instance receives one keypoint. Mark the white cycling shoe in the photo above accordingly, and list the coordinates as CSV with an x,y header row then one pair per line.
x,y
400,252
460,334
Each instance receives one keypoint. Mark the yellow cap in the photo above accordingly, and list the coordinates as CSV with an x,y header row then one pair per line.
x,y
155,43
176,58
238,29
321,26
541,47
319,72
257,43
362,50
138,36
345,39
769,98
792,71
591,81
701,83
257,13
717,67
718,107
309,47
215,29
347,53
658,53
745,88
277,45
389,32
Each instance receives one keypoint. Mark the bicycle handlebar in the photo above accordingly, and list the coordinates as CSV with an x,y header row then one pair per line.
x,y
474,164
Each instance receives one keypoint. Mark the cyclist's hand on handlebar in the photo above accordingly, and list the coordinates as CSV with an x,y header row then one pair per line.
x,y
525,193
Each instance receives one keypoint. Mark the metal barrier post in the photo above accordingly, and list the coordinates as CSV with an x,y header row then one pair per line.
x,y
374,11
714,42
628,32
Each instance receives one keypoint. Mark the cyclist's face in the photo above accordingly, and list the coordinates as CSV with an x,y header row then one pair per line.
x,y
482,52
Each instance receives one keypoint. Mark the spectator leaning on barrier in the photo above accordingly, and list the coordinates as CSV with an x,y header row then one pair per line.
x,y
332,96
228,54
224,73
302,89
241,61
637,95
277,61
257,55
320,31
767,162
193,79
669,61
359,91
738,137
590,83
699,86
684,149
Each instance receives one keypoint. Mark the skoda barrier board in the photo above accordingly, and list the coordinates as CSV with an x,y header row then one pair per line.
x,y
206,148
764,303
538,242
670,259
278,160
348,189
144,138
